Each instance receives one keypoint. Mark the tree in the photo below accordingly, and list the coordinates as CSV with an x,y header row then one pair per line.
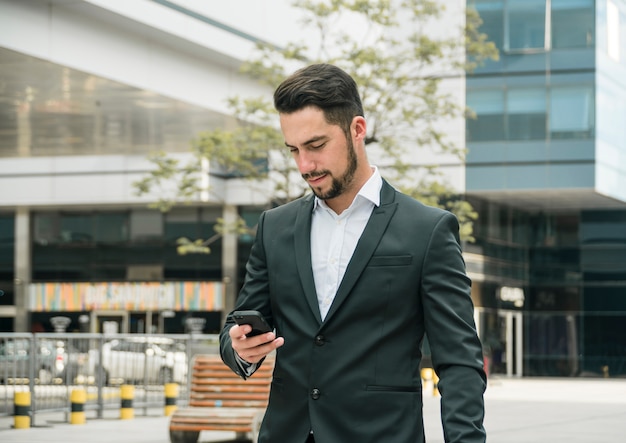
x,y
399,63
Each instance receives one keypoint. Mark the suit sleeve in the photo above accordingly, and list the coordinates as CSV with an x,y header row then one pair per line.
x,y
455,346
253,296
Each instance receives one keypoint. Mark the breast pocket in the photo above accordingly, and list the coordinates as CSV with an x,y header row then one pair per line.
x,y
391,260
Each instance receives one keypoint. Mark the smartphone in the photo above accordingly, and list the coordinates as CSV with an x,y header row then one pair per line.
x,y
254,319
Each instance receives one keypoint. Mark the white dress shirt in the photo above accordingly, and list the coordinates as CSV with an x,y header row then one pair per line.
x,y
334,238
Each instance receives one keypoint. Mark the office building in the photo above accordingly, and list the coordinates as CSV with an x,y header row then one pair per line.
x,y
546,170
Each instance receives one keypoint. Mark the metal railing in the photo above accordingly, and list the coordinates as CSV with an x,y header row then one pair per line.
x,y
52,365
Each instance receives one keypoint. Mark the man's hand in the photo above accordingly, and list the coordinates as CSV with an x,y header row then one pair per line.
x,y
253,349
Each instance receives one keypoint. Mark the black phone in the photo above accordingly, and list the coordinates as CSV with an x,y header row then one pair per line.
x,y
254,319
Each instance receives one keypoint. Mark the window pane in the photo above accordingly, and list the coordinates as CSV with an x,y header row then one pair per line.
x,y
489,121
7,243
181,222
526,114
491,13
572,24
46,228
526,24
76,228
111,228
146,226
571,112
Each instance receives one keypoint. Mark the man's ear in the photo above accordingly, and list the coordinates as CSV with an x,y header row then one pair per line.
x,y
359,128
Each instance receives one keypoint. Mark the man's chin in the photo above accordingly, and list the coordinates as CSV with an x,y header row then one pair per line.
x,y
319,193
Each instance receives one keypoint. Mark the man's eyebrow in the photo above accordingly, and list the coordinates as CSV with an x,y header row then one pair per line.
x,y
310,141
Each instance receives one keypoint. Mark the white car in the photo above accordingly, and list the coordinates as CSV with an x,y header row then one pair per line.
x,y
149,360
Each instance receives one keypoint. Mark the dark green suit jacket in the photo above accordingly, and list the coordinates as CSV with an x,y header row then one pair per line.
x,y
355,377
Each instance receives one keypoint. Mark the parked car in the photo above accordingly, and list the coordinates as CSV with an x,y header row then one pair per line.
x,y
151,360
15,361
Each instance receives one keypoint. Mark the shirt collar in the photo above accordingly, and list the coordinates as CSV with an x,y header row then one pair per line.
x,y
370,190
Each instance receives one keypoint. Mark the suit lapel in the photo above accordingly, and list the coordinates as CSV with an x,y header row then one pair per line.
x,y
366,246
302,244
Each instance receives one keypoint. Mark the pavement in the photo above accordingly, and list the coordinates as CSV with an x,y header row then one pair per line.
x,y
518,410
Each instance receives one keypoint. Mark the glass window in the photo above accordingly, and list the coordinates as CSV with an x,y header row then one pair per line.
x,y
7,242
553,343
607,298
603,226
194,223
526,114
526,20
46,228
146,226
76,228
181,222
573,24
111,227
208,219
489,121
7,225
491,13
571,112
554,298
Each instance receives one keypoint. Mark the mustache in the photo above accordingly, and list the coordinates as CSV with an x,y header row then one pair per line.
x,y
315,174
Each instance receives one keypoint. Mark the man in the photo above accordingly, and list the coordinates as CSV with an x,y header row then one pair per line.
x,y
351,278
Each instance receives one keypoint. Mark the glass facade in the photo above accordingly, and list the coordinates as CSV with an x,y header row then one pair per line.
x,y
572,270
523,25
126,245
7,267
551,108
132,245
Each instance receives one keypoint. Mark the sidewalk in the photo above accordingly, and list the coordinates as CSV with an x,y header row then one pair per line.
x,y
517,411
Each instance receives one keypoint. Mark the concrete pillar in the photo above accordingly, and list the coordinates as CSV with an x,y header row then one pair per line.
x,y
229,258
22,269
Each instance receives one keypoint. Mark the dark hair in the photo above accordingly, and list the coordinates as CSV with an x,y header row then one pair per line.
x,y
322,85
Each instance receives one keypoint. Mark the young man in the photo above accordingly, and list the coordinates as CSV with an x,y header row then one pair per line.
x,y
351,277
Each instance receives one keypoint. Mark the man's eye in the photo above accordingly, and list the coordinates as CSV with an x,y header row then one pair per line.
x,y
318,146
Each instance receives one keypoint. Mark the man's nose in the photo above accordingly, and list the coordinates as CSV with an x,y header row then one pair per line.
x,y
306,163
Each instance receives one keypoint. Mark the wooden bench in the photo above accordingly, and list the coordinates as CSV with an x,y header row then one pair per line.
x,y
219,400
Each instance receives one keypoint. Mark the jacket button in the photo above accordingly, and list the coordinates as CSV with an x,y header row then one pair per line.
x,y
319,340
315,394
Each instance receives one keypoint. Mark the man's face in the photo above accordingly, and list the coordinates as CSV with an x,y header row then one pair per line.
x,y
324,155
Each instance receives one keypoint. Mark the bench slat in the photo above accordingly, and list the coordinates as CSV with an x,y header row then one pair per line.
x,y
219,400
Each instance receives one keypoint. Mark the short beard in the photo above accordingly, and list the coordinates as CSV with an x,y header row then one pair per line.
x,y
339,184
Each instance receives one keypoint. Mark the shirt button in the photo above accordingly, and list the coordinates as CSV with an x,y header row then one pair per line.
x,y
315,394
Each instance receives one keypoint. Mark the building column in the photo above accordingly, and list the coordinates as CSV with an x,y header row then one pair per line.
x,y
229,258
22,269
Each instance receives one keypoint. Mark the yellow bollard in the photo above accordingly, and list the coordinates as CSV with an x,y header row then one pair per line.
x,y
171,395
427,374
78,397
127,393
435,384
21,404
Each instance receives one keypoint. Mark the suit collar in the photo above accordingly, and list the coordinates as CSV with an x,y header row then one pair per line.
x,y
302,242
